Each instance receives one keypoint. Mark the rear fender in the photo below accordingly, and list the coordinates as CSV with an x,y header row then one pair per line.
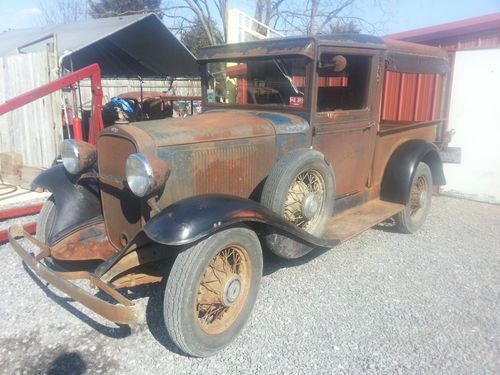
x,y
77,202
401,167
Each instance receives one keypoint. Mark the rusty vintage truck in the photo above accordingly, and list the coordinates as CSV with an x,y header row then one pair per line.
x,y
304,142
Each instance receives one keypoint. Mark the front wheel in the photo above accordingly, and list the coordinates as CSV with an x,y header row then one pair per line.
x,y
417,208
46,219
211,290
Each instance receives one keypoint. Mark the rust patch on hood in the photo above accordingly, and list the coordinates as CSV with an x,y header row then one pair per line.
x,y
211,126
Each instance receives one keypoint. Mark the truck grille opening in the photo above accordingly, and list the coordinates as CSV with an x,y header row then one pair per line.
x,y
121,208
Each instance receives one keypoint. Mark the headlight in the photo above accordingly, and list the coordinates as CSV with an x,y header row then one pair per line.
x,y
145,175
77,156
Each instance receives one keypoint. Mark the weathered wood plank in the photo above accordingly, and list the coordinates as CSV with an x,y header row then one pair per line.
x,y
29,130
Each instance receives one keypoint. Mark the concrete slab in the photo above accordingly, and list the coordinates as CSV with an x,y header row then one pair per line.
x,y
21,197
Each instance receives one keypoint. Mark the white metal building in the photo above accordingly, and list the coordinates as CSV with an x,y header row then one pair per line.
x,y
474,106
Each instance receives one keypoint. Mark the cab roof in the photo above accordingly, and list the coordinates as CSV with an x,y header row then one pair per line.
x,y
304,45
398,53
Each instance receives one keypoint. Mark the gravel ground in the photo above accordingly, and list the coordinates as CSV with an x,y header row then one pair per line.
x,y
381,303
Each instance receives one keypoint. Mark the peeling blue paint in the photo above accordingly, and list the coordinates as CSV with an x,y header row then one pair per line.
x,y
276,118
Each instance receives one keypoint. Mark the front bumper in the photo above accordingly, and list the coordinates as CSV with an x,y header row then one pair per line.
x,y
125,313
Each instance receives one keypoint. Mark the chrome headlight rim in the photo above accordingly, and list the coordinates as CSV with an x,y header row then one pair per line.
x,y
77,156
70,156
135,163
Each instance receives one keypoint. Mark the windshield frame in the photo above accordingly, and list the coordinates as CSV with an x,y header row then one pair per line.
x,y
309,70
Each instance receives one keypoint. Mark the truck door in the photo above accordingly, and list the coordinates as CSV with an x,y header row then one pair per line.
x,y
346,118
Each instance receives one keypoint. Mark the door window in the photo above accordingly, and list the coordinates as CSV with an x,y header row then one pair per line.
x,y
343,82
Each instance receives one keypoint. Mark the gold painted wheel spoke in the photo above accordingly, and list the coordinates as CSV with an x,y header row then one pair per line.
x,y
213,314
305,183
418,189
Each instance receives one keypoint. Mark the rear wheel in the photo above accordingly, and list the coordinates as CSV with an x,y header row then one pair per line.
x,y
413,216
211,290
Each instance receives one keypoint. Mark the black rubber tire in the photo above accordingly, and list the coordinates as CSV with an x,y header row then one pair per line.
x,y
284,173
45,219
182,287
406,222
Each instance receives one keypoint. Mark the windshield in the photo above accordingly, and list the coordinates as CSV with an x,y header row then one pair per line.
x,y
266,81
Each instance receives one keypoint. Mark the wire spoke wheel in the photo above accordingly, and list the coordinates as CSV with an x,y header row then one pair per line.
x,y
211,290
305,199
223,289
417,207
301,189
418,197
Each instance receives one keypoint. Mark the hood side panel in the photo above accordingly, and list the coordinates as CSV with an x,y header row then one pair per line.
x,y
236,167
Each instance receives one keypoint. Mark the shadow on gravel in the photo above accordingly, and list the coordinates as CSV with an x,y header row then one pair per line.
x,y
114,332
272,262
154,309
67,363
154,317
388,226
154,313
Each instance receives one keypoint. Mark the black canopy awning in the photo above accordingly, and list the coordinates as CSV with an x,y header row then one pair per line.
x,y
125,46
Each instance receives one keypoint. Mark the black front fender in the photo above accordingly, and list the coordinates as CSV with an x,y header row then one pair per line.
x,y
396,184
77,202
197,217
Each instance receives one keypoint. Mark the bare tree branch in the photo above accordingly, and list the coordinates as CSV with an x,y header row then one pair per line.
x,y
62,11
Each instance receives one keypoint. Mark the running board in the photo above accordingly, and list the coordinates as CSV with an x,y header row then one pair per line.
x,y
351,222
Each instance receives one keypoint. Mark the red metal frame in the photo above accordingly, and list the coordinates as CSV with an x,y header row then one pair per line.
x,y
4,234
11,213
92,71
20,211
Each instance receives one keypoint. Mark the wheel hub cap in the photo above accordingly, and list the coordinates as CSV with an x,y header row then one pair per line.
x,y
311,205
232,291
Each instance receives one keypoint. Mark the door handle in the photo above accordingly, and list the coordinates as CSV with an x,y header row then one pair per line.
x,y
369,126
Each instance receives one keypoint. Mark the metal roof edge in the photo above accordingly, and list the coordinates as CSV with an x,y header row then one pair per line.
x,y
468,25
144,16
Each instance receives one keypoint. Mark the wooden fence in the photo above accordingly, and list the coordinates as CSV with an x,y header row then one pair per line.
x,y
113,87
30,130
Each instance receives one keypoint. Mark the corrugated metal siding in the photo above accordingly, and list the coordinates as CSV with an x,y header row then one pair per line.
x,y
406,106
242,88
486,39
423,105
332,81
299,81
411,96
436,102
392,84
